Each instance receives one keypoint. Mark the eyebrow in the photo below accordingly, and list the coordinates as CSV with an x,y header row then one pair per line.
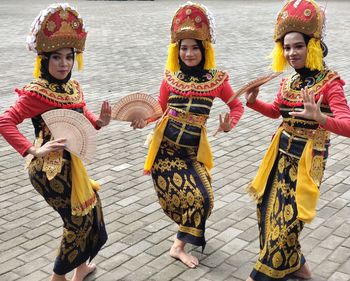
x,y
185,45
299,42
59,53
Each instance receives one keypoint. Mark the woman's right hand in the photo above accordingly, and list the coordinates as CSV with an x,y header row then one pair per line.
x,y
54,145
138,124
251,95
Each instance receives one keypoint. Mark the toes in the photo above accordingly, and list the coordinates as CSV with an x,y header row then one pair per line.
x,y
92,267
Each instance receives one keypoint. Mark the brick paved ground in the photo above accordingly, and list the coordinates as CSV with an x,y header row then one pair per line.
x,y
125,52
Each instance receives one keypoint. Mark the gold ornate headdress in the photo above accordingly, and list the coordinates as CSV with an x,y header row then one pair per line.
x,y
58,26
192,21
304,16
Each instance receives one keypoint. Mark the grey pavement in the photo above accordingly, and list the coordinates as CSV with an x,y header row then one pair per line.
x,y
126,52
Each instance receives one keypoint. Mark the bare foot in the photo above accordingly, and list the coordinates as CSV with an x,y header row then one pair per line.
x,y
56,277
249,279
82,271
177,251
304,272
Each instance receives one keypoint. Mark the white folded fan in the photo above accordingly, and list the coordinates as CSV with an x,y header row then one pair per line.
x,y
73,126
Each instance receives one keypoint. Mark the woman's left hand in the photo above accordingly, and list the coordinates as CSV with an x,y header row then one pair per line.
x,y
225,124
105,115
312,110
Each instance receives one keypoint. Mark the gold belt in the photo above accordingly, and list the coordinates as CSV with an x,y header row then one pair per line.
x,y
189,118
319,135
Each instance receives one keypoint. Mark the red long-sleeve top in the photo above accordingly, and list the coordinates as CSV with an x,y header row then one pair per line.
x,y
333,96
25,107
225,93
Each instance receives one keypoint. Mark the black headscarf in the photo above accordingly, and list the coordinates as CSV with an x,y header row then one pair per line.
x,y
198,70
45,74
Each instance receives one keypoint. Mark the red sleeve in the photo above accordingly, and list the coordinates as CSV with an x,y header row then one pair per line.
x,y
163,95
271,110
91,117
25,107
335,98
236,107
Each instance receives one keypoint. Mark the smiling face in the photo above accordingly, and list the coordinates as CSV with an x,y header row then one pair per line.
x,y
190,52
295,49
61,63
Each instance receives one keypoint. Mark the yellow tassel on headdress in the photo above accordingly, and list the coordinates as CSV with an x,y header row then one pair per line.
x,y
37,67
209,56
80,60
279,62
314,58
172,63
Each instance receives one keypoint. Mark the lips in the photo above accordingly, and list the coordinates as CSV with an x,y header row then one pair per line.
x,y
294,60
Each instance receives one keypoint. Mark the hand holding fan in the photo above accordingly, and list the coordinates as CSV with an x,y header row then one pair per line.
x,y
254,84
137,106
73,126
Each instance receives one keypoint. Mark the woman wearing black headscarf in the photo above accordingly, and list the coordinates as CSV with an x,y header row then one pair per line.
x,y
59,176
312,104
179,156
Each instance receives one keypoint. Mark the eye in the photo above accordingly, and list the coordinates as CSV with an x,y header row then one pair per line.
x,y
55,57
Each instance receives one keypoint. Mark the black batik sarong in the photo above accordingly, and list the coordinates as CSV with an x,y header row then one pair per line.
x,y
83,236
184,190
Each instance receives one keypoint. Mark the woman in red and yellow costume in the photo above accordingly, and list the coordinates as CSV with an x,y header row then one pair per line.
x,y
179,156
312,104
58,37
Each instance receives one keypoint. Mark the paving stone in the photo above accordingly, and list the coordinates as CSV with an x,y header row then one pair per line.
x,y
228,234
169,272
9,265
160,248
10,276
143,273
233,246
114,261
332,242
138,261
215,259
221,272
161,261
345,268
30,266
339,276
37,275
326,268
318,255
113,249
138,248
119,60
240,258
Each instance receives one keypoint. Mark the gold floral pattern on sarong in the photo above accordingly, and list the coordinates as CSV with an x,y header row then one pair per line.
x,y
183,193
